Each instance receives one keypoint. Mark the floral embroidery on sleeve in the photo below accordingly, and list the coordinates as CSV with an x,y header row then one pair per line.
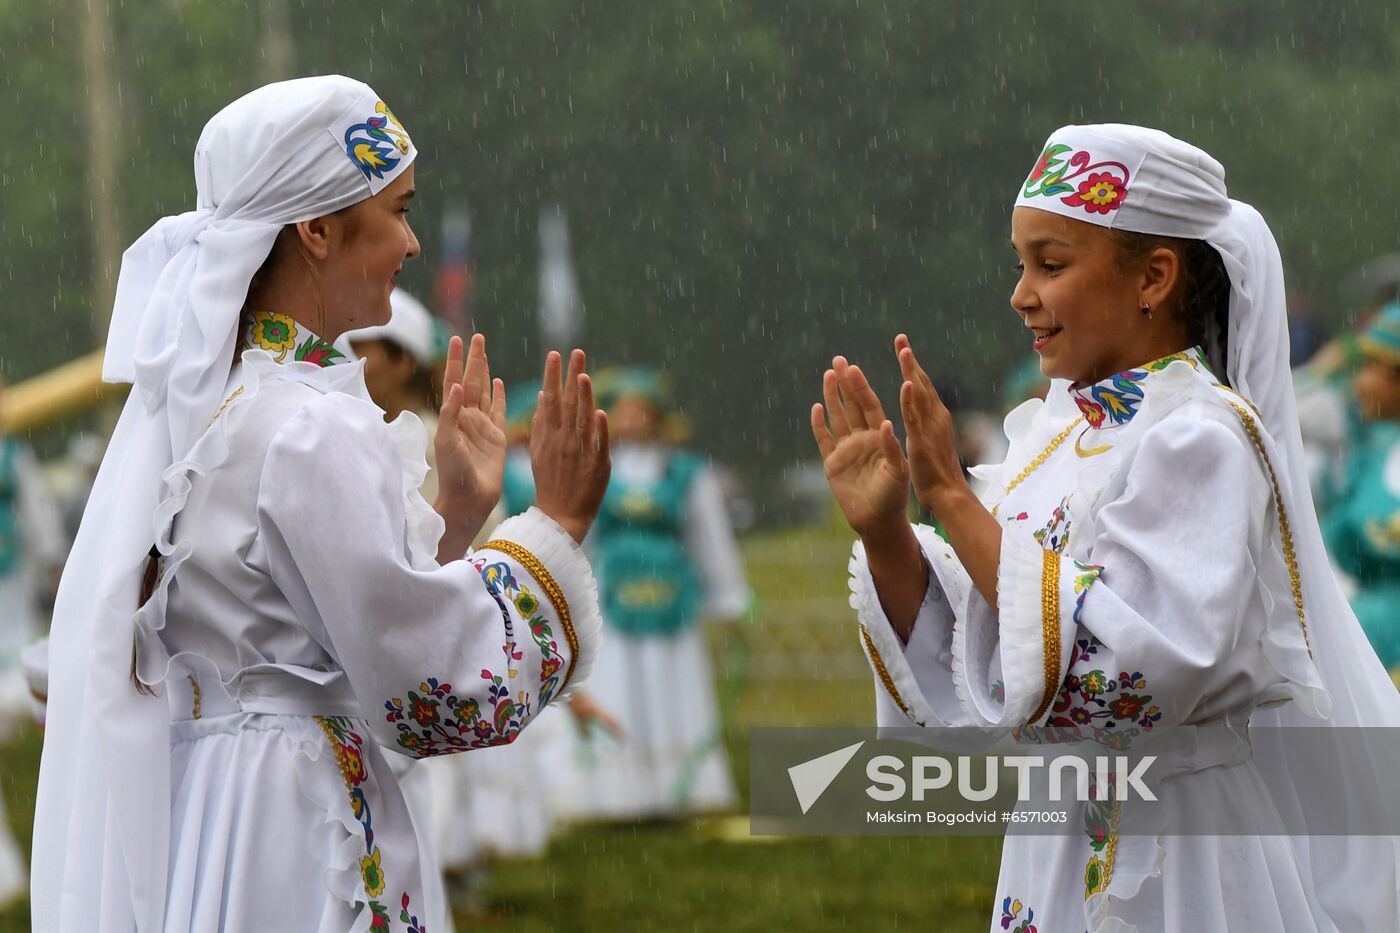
x,y
1097,701
435,721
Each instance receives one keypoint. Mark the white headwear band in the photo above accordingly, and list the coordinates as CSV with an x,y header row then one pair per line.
x,y
1141,180
285,153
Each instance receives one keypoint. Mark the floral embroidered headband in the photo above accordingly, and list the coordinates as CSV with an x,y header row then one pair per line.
x,y
1082,175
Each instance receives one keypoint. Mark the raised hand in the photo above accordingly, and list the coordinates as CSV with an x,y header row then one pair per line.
x,y
470,445
569,447
933,449
864,464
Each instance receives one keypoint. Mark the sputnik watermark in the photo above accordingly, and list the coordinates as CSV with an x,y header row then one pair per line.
x,y
1198,780
929,773
935,773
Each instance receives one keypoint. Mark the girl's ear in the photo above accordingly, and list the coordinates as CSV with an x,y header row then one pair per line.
x,y
1161,273
315,237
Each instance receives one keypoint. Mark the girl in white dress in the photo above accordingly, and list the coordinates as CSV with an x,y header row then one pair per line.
x,y
667,558
1147,556
215,760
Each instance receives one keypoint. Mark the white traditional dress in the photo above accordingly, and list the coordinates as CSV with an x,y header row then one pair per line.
x,y
1142,583
303,625
660,687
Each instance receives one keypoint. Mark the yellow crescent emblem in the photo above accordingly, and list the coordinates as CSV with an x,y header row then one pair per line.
x,y
1092,451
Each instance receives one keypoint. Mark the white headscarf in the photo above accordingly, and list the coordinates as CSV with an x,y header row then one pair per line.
x,y
285,153
1142,180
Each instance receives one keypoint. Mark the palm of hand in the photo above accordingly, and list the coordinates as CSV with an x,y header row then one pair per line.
x,y
870,485
471,455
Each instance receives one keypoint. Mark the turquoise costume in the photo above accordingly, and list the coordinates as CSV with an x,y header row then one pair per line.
x,y
517,486
1362,531
1362,520
650,587
10,543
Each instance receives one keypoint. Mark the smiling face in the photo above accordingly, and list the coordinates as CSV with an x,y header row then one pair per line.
x,y
1081,300
367,245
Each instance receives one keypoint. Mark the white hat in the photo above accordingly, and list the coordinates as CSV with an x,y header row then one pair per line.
x,y
410,328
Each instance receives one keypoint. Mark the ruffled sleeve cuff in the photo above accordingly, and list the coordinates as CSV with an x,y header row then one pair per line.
x,y
912,677
1040,596
550,555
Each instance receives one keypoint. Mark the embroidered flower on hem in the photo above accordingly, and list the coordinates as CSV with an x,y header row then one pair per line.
x,y
370,872
1093,876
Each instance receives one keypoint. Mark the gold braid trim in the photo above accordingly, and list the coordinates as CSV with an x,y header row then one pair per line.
x,y
551,589
227,402
1035,464
1112,852
341,759
884,674
1290,557
1050,621
194,685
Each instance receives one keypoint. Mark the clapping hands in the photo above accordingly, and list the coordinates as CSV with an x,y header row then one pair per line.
x,y
865,466
470,443
569,453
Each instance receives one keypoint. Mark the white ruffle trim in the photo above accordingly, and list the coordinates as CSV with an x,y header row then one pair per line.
x,y
554,547
321,782
425,525
888,651
153,662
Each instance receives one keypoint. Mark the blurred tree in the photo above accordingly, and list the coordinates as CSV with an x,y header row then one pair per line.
x,y
751,186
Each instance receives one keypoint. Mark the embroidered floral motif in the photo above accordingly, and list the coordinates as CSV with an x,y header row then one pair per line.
x,y
273,332
503,585
1095,700
371,145
1085,575
279,333
347,745
1011,912
1100,825
1103,192
315,350
407,916
435,721
1115,400
1104,186
1055,535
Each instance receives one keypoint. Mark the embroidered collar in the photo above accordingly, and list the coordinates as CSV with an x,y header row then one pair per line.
x,y
281,335
1115,400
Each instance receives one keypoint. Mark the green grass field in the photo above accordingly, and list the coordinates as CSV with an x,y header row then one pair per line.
x,y
712,875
